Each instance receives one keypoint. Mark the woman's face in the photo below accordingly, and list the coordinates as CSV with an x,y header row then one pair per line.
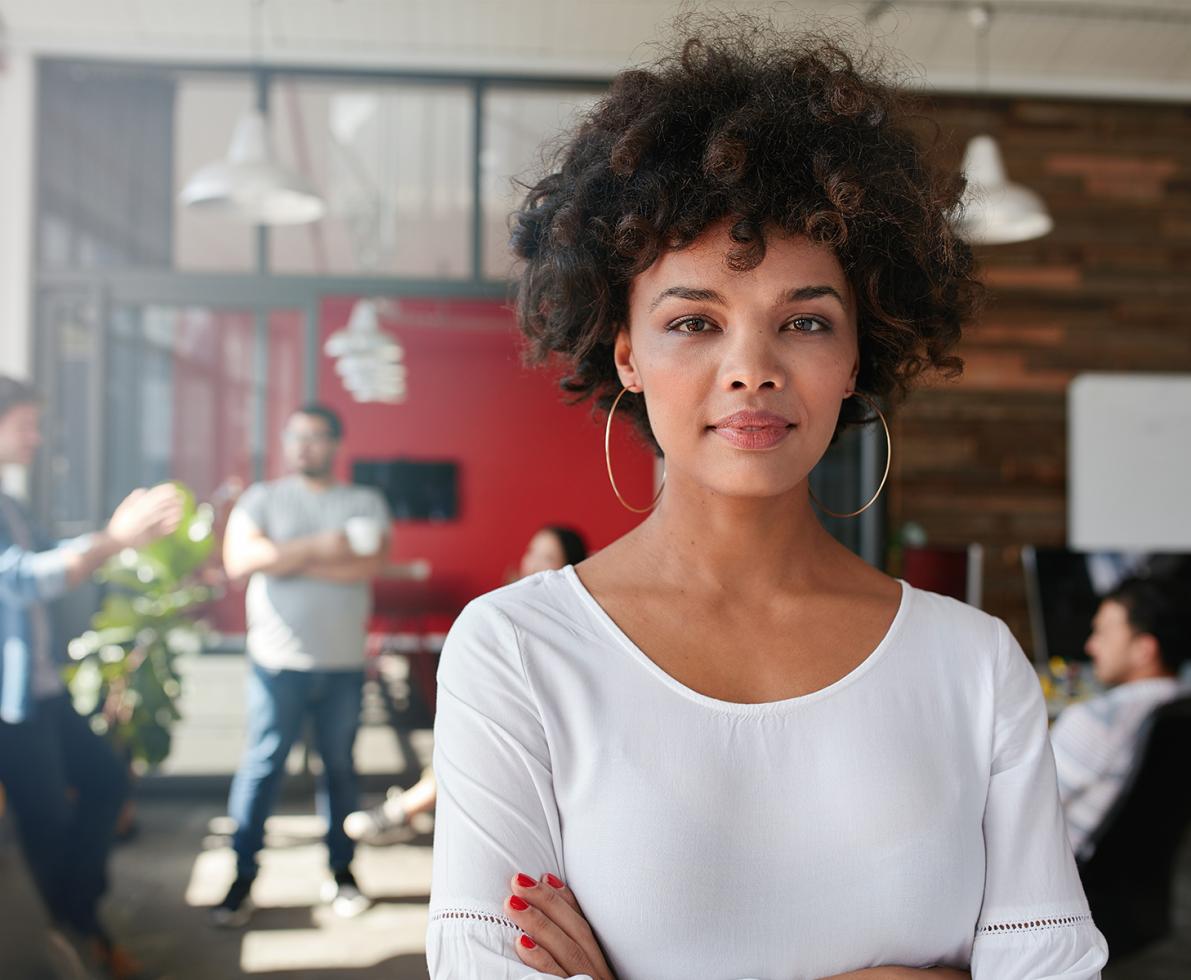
x,y
743,373
543,552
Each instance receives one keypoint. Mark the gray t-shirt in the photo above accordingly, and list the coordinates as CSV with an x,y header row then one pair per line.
x,y
297,622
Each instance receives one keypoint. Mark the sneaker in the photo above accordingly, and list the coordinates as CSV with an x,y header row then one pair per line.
x,y
344,895
376,825
236,908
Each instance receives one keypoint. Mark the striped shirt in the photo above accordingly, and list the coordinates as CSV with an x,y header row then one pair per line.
x,y
1095,743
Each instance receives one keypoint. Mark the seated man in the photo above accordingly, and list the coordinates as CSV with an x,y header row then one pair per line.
x,y
1140,638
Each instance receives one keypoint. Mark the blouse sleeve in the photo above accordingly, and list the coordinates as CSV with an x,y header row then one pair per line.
x,y
1034,923
496,813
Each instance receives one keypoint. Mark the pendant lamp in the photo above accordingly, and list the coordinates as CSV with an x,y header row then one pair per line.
x,y
249,185
993,209
368,358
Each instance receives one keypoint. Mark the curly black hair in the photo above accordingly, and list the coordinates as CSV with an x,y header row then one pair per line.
x,y
769,132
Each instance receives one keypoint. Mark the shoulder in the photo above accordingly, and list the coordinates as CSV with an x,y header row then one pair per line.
x,y
955,627
258,494
525,607
484,658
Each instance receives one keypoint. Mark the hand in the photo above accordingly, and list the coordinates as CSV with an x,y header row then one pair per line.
x,y
146,515
330,546
557,941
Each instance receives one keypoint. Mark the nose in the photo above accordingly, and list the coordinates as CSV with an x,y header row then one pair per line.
x,y
753,363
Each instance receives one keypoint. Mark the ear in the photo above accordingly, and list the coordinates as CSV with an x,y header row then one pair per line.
x,y
1146,652
852,377
622,357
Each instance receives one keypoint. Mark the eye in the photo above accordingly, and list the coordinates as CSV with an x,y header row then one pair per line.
x,y
690,324
808,324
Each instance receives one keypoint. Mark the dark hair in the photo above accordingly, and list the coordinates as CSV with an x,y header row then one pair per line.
x,y
14,392
328,415
1161,608
786,133
574,547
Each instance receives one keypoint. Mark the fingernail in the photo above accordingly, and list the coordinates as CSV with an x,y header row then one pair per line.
x,y
527,942
517,903
525,881
553,882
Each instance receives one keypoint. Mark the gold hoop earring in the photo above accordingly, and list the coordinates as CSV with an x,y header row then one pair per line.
x,y
888,459
608,460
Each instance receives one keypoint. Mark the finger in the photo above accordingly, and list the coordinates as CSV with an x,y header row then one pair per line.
x,y
548,936
536,958
554,924
560,887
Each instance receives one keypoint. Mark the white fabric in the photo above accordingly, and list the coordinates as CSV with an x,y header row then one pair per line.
x,y
1095,743
905,815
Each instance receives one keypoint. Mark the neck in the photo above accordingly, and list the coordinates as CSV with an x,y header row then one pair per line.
x,y
320,481
1148,674
737,545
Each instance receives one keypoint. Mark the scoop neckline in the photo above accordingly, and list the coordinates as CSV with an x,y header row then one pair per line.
x,y
742,707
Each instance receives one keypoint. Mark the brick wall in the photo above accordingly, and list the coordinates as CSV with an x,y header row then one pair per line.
x,y
984,459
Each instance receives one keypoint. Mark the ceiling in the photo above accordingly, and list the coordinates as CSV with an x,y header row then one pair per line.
x,y
1122,48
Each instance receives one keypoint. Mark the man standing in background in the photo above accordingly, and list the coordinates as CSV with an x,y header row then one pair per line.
x,y
309,547
64,784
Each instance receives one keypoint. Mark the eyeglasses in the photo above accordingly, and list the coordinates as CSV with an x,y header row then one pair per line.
x,y
306,438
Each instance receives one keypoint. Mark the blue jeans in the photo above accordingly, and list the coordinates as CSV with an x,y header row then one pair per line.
x,y
66,787
278,701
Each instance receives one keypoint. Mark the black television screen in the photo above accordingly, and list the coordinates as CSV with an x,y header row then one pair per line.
x,y
1064,589
416,490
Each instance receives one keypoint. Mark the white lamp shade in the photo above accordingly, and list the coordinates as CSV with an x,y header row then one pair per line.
x,y
994,210
249,185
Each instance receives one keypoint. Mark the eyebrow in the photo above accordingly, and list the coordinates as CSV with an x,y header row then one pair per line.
x,y
711,296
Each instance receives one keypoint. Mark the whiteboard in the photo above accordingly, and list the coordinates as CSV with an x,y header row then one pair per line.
x,y
1129,462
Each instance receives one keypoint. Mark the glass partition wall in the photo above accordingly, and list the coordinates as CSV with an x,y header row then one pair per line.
x,y
172,344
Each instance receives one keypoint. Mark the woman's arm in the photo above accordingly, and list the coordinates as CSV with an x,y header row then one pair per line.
x,y
558,941
496,808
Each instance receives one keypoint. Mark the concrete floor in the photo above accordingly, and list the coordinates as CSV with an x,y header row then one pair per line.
x,y
176,866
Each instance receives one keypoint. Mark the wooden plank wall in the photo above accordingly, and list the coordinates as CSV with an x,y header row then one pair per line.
x,y
984,459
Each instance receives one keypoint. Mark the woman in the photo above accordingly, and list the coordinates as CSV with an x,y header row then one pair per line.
x,y
553,546
724,746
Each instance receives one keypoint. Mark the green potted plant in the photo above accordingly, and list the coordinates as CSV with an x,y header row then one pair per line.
x,y
123,673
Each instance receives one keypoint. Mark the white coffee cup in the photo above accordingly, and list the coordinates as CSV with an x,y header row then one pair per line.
x,y
364,535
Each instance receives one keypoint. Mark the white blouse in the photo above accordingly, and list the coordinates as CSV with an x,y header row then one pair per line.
x,y
905,815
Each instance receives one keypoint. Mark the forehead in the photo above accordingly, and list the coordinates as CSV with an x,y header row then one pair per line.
x,y
23,413
789,261
302,422
1112,613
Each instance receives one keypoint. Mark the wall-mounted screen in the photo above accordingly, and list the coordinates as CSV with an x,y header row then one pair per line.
x,y
416,490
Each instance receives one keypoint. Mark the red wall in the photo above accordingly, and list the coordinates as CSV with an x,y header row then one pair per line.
x,y
525,458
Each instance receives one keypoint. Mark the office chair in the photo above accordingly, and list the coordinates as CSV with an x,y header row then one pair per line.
x,y
1129,876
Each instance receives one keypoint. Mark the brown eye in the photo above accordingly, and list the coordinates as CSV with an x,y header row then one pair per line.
x,y
808,324
690,324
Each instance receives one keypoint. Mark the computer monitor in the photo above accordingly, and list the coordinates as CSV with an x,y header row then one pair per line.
x,y
1064,589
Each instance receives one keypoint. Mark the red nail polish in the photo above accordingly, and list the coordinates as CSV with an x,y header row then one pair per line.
x,y
553,882
527,942
525,881
519,904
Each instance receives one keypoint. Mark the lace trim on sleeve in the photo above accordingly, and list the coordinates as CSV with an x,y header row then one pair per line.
x,y
1032,925
473,915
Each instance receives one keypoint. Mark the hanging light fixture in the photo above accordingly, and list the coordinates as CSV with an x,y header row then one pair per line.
x,y
249,184
993,209
368,359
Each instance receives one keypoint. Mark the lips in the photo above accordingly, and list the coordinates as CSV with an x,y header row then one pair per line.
x,y
750,429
